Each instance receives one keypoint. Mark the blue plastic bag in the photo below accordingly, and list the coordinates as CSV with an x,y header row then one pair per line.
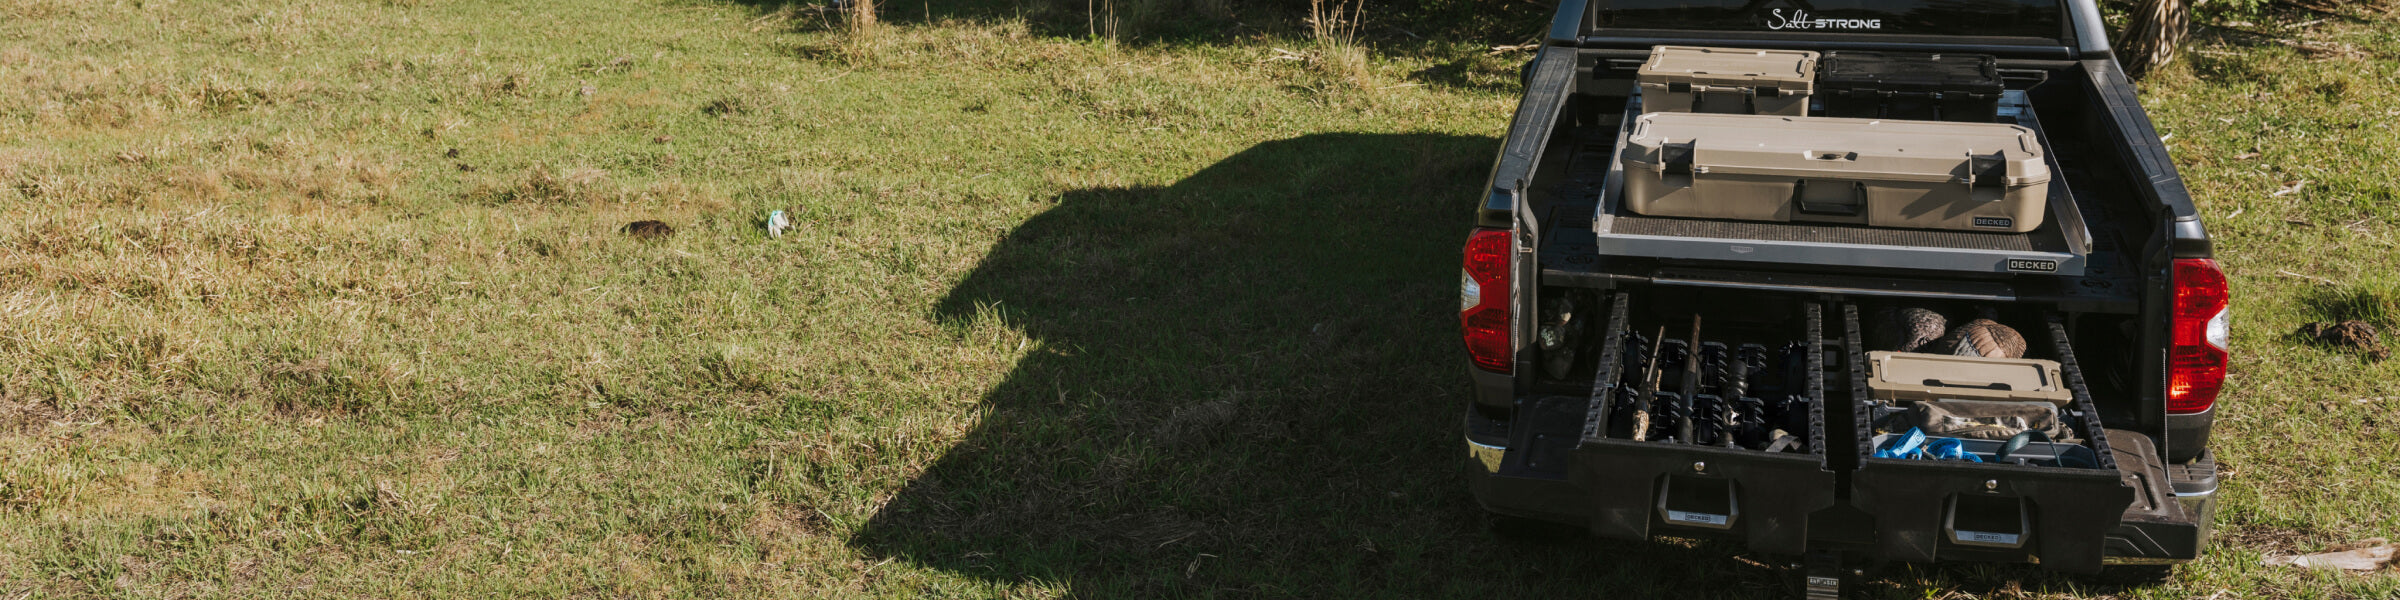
x,y
1905,446
1948,449
1914,445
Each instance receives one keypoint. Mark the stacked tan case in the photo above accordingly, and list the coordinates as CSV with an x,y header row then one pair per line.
x,y
1905,376
1926,174
1725,136
1729,80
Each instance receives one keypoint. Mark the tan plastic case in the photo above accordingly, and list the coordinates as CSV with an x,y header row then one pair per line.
x,y
1921,174
1728,80
1910,376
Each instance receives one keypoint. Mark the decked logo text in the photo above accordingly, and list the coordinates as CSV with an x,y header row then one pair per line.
x,y
2028,264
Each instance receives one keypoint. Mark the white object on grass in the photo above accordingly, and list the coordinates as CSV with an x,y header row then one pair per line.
x,y
776,223
2377,553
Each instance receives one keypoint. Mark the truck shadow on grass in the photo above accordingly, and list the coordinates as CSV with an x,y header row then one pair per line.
x,y
1249,383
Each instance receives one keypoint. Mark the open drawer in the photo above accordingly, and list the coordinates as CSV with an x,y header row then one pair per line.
x,y
2057,509
1737,444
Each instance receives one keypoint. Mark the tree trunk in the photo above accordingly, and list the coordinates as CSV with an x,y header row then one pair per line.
x,y
2156,33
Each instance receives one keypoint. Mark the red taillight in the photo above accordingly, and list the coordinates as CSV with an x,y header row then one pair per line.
x,y
2196,355
1483,303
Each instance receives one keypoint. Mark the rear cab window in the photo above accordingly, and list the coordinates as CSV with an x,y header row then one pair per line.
x,y
2040,19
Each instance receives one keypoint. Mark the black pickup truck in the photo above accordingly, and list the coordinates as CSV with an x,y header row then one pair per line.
x,y
1563,287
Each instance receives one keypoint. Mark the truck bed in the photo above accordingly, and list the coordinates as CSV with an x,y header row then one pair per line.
x,y
1562,433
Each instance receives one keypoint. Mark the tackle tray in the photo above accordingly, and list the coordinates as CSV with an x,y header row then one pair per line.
x,y
1730,80
2061,246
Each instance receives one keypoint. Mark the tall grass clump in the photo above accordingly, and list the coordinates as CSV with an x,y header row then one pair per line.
x,y
1333,28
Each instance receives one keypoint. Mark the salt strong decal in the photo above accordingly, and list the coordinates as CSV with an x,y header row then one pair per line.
x,y
1799,20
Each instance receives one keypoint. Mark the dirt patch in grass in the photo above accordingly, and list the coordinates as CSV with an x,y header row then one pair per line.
x,y
21,416
2273,539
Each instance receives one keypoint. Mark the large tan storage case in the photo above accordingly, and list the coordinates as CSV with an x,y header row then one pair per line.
x,y
1728,80
1924,174
1909,376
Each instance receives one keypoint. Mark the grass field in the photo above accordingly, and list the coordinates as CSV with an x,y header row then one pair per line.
x,y
329,299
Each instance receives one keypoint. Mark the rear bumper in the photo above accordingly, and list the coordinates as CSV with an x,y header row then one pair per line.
x,y
1793,504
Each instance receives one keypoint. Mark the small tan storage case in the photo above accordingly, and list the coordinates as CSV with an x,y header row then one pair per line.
x,y
1910,376
1923,174
1728,80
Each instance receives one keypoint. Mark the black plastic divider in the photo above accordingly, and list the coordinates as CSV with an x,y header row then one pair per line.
x,y
2083,395
1638,488
1862,420
1816,381
1924,509
1604,379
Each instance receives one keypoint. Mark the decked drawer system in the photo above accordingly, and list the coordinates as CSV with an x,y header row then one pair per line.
x,y
1823,489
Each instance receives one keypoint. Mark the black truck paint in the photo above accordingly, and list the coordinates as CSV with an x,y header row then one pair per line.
x,y
1529,453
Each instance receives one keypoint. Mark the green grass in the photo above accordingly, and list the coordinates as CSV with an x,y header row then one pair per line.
x,y
2307,431
1162,317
